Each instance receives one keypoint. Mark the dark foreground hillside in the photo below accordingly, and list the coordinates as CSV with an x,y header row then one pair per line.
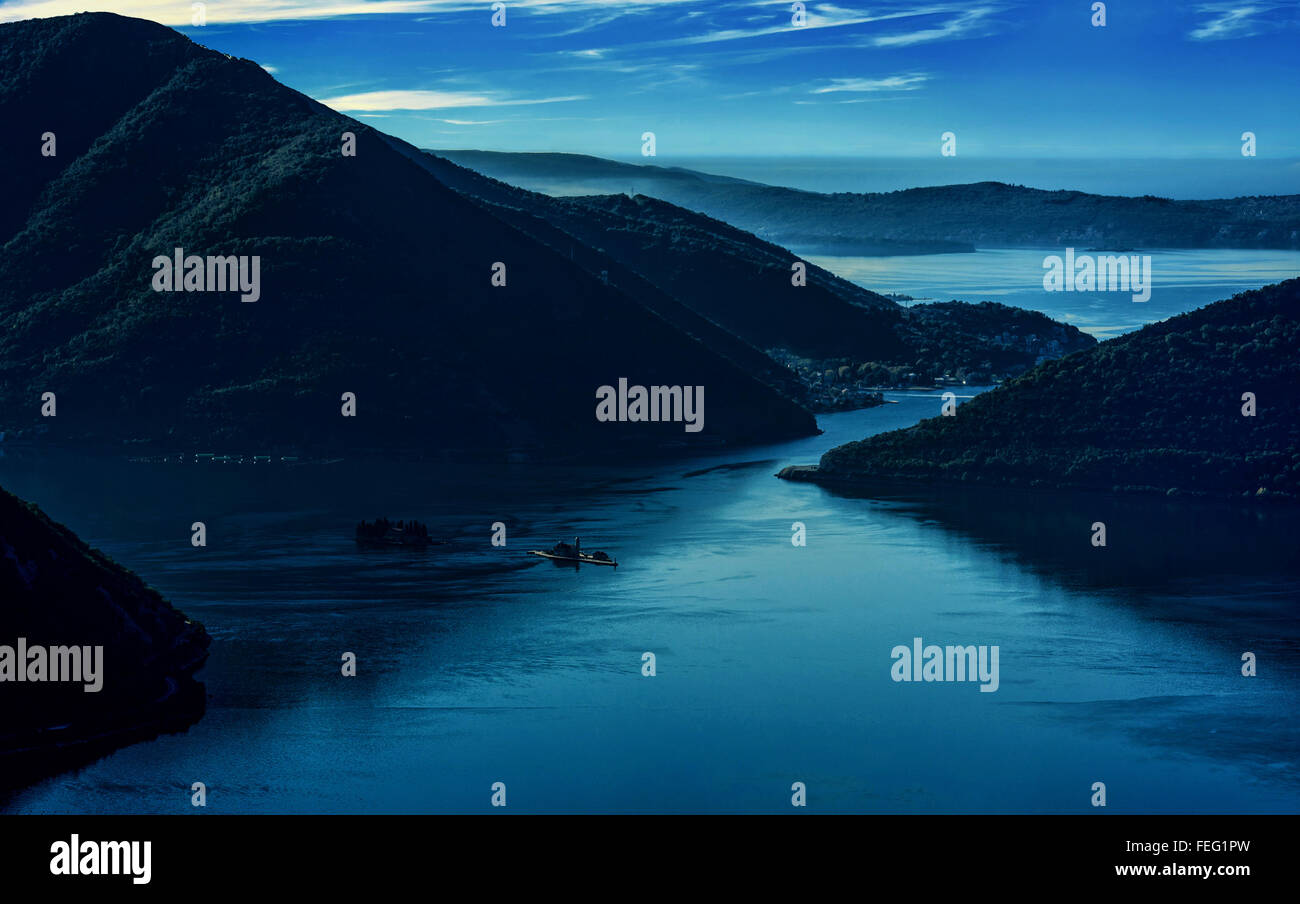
x,y
55,591
1158,409
376,279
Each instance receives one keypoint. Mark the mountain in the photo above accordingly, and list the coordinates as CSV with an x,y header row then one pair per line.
x,y
725,274
57,591
694,270
375,278
917,220
1159,409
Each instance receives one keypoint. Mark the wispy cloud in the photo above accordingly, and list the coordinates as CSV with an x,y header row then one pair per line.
x,y
872,99
952,22
1231,20
431,100
178,12
585,15
663,70
890,83
818,17
216,12
962,23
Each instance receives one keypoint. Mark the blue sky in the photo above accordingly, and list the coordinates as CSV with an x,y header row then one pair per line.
x,y
1038,79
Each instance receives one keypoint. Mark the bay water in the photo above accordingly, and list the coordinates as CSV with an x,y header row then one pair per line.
x,y
479,664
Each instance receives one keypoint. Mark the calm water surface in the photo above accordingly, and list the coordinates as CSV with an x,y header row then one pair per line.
x,y
480,664
1181,281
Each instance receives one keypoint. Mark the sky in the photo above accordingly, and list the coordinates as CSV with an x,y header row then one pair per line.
x,y
882,79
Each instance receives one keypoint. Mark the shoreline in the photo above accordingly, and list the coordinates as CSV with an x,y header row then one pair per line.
x,y
813,474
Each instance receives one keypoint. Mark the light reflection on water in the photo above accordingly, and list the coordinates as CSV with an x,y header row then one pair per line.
x,y
479,664
1182,280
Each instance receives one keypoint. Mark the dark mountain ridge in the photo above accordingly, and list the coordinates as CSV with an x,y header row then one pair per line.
x,y
376,280
375,277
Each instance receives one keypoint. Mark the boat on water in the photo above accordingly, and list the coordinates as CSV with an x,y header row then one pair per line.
x,y
572,553
382,532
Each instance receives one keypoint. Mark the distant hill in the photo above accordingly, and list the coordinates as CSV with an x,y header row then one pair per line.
x,y
1159,409
918,220
55,591
375,276
694,271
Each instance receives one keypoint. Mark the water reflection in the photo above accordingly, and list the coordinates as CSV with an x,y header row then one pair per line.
x,y
477,662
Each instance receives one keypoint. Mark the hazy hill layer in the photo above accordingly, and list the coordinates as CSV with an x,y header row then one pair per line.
x,y
918,220
742,284
727,275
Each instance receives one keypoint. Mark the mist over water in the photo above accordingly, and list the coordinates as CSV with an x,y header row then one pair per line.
x,y
478,665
